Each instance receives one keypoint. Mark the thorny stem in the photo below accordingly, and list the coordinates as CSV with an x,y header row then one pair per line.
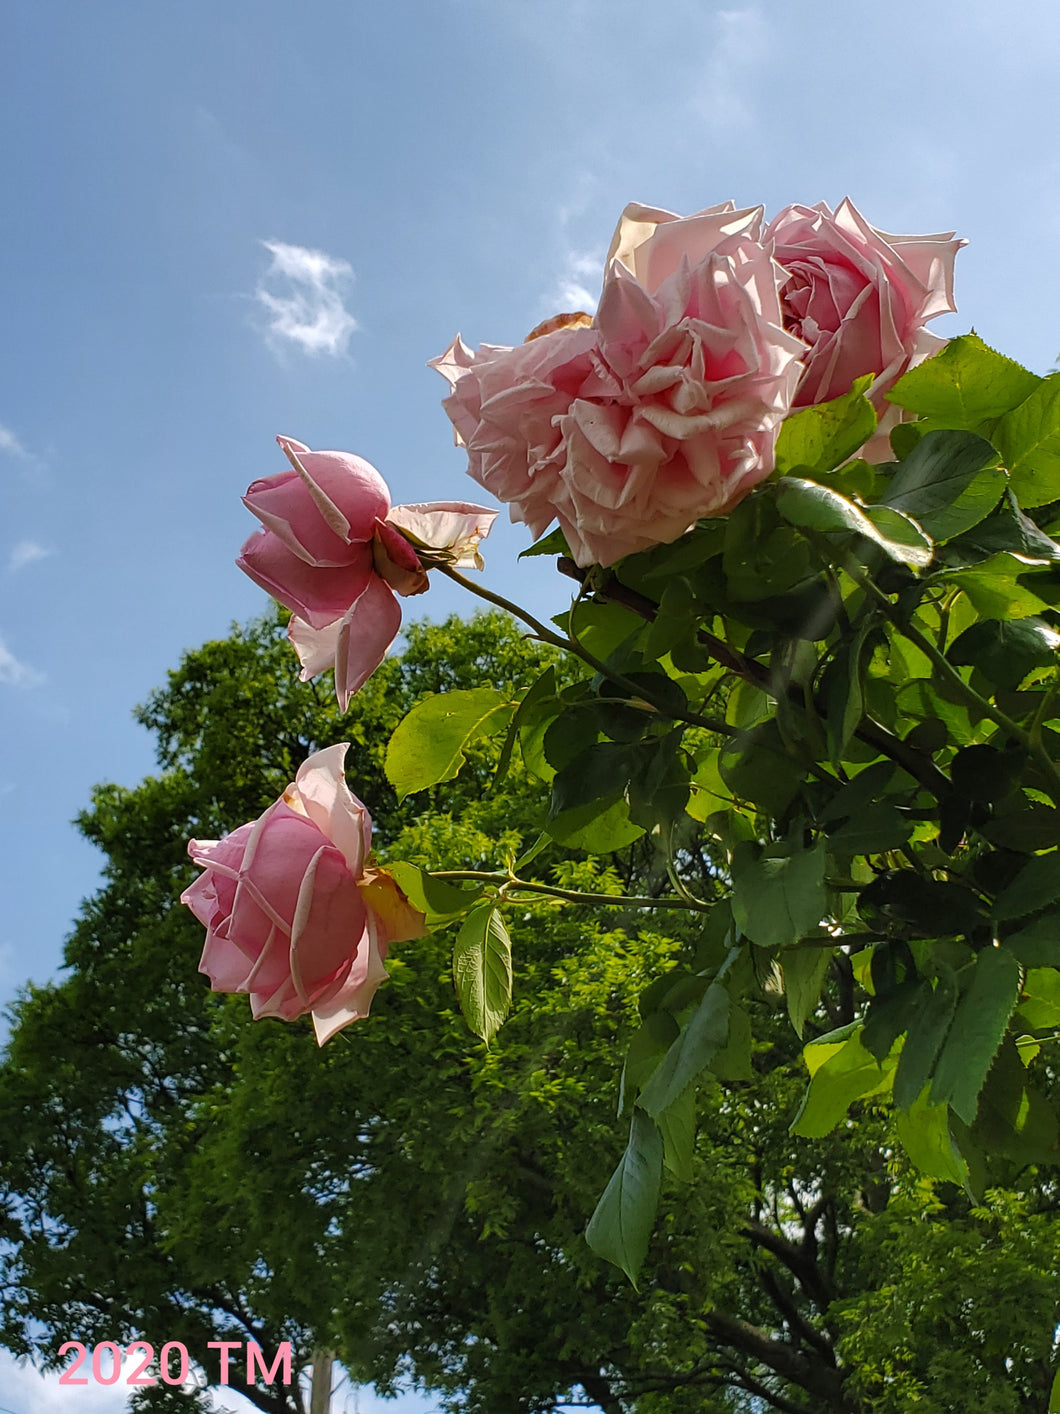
x,y
570,644
509,882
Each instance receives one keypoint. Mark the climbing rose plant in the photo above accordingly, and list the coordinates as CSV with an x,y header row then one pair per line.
x,y
812,641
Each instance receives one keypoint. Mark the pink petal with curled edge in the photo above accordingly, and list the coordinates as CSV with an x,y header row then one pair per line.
x,y
318,595
346,490
365,634
284,506
457,526
316,647
293,443
320,790
353,1001
397,563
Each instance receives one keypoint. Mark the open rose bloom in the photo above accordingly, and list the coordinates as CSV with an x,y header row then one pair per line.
x,y
858,297
336,553
293,915
663,409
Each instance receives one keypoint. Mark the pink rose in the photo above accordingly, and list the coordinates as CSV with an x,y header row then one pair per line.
x,y
858,297
335,552
292,915
663,409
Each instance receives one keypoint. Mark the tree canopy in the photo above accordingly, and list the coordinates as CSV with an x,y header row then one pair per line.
x,y
415,1200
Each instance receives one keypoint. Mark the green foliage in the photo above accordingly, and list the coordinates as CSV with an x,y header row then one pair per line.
x,y
482,970
428,745
417,1201
831,722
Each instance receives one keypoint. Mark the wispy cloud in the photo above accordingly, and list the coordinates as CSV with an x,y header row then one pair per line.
x,y
739,41
16,673
9,443
24,553
303,292
577,288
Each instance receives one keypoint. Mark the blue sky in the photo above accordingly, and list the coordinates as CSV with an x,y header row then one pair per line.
x,y
221,221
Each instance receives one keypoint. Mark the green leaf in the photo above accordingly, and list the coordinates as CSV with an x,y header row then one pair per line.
x,y
1036,886
677,621
763,556
1006,650
968,383
1025,830
705,1033
733,1060
437,898
1039,1007
804,972
1029,441
554,543
823,436
844,702
758,766
597,828
841,1071
929,1021
871,830
949,482
924,1131
677,1124
599,773
1008,530
779,896
997,588
620,1227
528,710
976,1031
428,745
1036,944
1014,1119
809,506
602,628
482,970
650,1042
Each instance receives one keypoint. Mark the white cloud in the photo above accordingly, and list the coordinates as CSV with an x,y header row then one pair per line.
x,y
14,672
577,288
9,443
303,292
24,553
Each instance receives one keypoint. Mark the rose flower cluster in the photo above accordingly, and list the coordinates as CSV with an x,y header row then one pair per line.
x,y
625,427
664,408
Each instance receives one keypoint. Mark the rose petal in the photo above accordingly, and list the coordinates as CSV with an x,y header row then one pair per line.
x,y
366,633
396,562
317,595
320,790
353,1001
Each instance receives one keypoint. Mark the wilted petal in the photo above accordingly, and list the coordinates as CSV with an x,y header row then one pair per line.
x,y
452,526
394,918
397,563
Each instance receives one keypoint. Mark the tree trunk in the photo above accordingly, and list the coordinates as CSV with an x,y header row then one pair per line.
x,y
320,1399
